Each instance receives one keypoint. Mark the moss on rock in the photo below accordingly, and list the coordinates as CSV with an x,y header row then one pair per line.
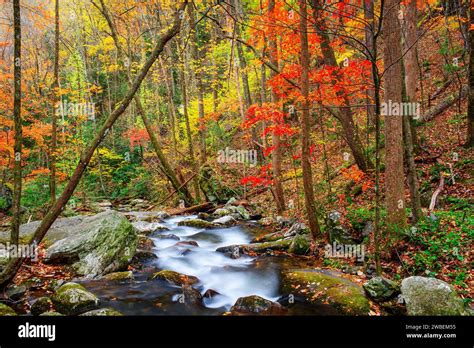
x,y
317,287
6,311
175,278
72,299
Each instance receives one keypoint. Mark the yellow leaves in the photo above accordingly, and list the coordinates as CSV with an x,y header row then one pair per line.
x,y
113,68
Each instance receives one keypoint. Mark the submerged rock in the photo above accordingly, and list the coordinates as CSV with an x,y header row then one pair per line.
x,y
192,296
119,276
210,293
251,305
381,289
175,278
142,255
431,296
6,311
279,245
102,312
146,228
102,244
72,299
197,223
225,221
187,243
41,305
318,287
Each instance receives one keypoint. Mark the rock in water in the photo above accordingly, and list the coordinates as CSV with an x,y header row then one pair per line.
x,y
324,287
381,289
175,278
72,299
103,243
431,296
251,305
102,312
197,223
6,311
225,221
41,305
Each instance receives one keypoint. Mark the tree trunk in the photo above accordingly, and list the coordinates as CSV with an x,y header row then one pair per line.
x,y
199,85
345,115
369,38
166,167
16,208
394,177
470,109
305,126
412,176
12,267
57,100
188,130
276,155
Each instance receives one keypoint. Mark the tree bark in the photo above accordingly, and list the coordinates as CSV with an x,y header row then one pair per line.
x,y
57,100
276,155
305,126
470,109
166,167
394,177
12,267
17,146
345,115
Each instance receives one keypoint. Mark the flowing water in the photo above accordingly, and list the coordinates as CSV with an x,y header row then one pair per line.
x,y
230,278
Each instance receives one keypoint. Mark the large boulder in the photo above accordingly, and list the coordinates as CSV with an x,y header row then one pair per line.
x,y
102,244
72,299
252,305
381,289
324,287
300,244
431,296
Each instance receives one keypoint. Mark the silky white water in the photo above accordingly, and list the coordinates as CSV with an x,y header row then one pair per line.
x,y
231,278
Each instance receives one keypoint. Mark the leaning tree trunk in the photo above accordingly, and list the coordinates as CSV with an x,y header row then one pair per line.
x,y
394,176
305,127
15,231
12,267
166,167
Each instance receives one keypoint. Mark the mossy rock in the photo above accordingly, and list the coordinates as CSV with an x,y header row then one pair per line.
x,y
102,312
51,314
197,223
431,296
6,311
300,245
221,212
175,278
72,298
104,243
381,289
41,305
253,305
278,245
318,286
119,276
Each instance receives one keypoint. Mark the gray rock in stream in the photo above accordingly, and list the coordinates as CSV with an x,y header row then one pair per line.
x,y
251,305
101,244
72,299
225,221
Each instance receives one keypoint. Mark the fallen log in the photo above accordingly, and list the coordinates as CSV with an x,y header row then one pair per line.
x,y
446,103
195,209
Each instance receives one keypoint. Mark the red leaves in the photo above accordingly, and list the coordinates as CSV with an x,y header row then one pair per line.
x,y
263,179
